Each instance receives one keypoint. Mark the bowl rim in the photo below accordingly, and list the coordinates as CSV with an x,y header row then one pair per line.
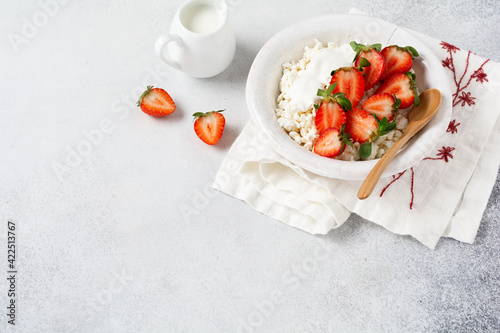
x,y
415,150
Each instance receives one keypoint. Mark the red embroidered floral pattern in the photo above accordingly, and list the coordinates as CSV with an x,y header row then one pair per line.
x,y
395,178
452,127
479,75
446,63
443,154
450,48
466,98
460,97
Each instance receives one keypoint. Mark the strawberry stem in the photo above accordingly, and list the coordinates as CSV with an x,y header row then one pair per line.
x,y
358,48
337,97
144,94
197,115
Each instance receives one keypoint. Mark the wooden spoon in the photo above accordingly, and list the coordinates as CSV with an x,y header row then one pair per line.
x,y
419,116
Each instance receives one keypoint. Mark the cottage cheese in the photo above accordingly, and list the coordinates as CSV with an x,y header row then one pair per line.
x,y
298,87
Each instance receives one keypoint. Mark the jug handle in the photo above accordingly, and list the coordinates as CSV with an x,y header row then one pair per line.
x,y
160,45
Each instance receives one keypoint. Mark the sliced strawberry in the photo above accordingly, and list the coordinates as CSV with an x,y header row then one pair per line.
x,y
365,128
350,82
374,71
403,86
360,125
156,102
329,114
331,142
382,105
331,111
397,59
209,126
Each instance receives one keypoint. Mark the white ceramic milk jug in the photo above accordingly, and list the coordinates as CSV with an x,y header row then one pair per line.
x,y
200,42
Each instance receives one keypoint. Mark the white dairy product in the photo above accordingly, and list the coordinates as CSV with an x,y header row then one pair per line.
x,y
201,18
302,93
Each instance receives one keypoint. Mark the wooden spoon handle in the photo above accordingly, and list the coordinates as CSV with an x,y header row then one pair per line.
x,y
372,179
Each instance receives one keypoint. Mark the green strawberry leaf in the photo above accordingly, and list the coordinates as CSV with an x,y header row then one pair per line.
x,y
416,101
412,51
328,92
344,102
413,85
197,115
377,47
331,88
388,129
322,93
365,150
316,106
383,127
358,48
396,105
354,46
345,137
363,62
381,124
410,75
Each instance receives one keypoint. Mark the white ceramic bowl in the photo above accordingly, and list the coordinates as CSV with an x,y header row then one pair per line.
x,y
263,88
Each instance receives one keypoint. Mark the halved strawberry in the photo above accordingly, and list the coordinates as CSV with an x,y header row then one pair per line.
x,y
329,114
350,82
331,142
371,53
365,128
156,102
382,105
360,125
209,126
403,86
397,59
331,111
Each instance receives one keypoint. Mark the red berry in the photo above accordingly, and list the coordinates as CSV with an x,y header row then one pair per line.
x,y
382,105
350,82
360,125
329,114
397,60
372,73
156,102
209,126
402,86
329,143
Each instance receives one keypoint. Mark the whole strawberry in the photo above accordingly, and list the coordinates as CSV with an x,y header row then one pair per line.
x,y
156,102
209,126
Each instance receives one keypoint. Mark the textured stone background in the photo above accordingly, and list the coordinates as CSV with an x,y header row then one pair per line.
x,y
107,249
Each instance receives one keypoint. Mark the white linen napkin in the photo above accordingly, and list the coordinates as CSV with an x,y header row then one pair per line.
x,y
442,196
